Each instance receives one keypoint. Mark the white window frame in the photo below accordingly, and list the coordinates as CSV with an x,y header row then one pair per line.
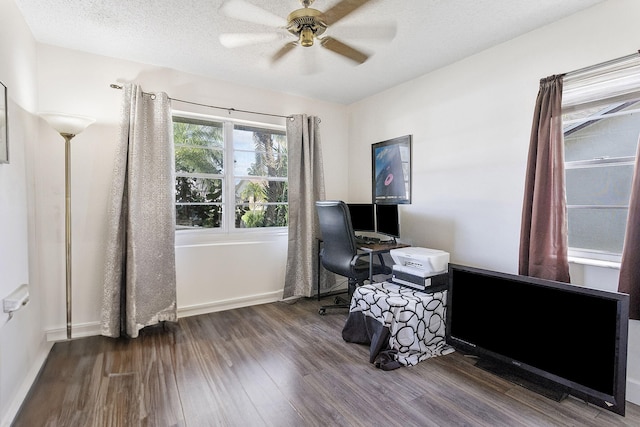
x,y
228,177
590,256
617,80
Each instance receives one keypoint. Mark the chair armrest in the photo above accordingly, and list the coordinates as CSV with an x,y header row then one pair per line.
x,y
368,254
357,257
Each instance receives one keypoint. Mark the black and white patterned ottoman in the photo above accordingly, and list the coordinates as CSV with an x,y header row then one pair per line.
x,y
403,326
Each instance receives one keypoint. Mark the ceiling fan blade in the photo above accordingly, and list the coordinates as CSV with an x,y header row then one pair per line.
x,y
344,50
245,11
381,32
283,51
233,40
342,9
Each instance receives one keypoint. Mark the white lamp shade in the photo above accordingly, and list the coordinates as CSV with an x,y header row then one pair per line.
x,y
67,124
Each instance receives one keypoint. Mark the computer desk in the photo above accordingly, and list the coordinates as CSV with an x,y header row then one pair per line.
x,y
378,248
370,249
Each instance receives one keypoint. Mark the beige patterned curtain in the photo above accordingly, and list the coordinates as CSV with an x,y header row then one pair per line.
x,y
543,237
140,275
306,185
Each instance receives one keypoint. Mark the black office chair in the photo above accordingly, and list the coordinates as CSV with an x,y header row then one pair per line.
x,y
339,252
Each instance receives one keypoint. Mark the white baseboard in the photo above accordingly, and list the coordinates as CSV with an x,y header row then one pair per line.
x,y
93,328
228,304
77,331
27,382
633,391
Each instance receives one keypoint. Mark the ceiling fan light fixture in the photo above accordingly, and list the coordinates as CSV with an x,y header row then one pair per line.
x,y
306,37
306,24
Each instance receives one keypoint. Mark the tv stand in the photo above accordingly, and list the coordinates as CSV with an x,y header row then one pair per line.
x,y
537,384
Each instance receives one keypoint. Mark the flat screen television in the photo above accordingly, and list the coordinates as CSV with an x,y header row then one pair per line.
x,y
387,221
563,338
362,216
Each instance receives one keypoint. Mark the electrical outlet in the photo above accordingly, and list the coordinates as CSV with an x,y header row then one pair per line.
x,y
16,300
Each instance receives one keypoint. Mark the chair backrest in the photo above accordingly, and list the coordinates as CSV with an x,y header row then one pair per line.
x,y
339,242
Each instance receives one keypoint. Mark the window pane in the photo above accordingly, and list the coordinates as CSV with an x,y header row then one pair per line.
x,y
198,146
256,163
245,137
598,134
261,203
610,185
198,133
259,152
198,160
260,215
597,229
604,137
261,191
198,216
198,190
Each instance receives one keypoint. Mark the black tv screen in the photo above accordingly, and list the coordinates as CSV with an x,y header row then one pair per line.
x,y
387,221
575,337
362,216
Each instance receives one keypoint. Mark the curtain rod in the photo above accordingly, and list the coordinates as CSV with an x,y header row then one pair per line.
x,y
230,110
602,64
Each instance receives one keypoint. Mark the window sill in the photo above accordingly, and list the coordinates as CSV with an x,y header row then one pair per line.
x,y
217,237
594,262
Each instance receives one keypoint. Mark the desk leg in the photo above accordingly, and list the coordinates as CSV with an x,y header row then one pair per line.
x,y
371,267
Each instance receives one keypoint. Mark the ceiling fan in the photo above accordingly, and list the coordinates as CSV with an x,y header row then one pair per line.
x,y
307,25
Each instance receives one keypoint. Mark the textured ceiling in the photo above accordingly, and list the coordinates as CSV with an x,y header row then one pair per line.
x,y
184,35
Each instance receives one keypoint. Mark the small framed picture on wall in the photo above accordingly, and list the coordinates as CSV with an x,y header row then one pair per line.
x,y
391,167
4,126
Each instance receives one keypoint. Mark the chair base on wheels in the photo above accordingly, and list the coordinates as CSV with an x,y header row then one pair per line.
x,y
339,302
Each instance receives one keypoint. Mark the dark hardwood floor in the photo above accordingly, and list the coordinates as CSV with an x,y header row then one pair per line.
x,y
280,365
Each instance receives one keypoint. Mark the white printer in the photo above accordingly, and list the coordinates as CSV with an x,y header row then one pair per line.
x,y
420,268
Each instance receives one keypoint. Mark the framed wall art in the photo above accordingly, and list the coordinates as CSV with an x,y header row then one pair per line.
x,y
391,167
4,127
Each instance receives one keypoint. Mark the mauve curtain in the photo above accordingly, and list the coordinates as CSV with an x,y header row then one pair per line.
x,y
306,185
140,275
630,265
543,236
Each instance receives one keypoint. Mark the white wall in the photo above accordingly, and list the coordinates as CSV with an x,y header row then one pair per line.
x,y
471,124
22,344
213,272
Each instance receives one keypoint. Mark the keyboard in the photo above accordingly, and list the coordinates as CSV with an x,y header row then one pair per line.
x,y
366,240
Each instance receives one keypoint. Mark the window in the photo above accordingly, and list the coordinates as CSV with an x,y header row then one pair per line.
x,y
601,123
211,194
600,148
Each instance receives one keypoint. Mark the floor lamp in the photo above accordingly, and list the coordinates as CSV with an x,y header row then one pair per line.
x,y
67,126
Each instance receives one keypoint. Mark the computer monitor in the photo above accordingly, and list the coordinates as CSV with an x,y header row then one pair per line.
x,y
362,216
387,221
